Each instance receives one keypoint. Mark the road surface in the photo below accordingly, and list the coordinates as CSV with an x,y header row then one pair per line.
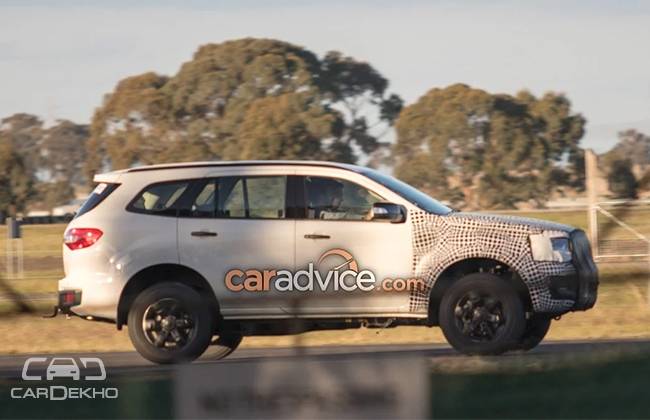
x,y
132,363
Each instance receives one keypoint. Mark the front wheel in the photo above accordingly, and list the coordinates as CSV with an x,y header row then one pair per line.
x,y
224,344
536,329
482,314
170,323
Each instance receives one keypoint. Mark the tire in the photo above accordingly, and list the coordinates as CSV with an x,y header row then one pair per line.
x,y
481,314
224,344
158,311
534,333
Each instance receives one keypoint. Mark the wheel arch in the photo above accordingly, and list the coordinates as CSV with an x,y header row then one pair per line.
x,y
465,266
160,273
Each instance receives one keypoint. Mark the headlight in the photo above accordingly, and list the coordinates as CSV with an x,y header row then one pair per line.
x,y
550,246
561,249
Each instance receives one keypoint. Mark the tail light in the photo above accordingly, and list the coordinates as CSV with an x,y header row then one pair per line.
x,y
79,238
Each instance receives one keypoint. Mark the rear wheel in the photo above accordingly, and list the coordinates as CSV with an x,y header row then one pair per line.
x,y
170,323
482,314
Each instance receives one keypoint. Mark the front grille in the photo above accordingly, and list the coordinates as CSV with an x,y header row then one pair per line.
x,y
563,287
587,271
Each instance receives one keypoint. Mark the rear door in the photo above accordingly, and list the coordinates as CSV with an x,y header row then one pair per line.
x,y
237,223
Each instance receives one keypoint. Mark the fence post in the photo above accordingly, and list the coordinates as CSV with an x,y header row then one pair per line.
x,y
591,173
14,249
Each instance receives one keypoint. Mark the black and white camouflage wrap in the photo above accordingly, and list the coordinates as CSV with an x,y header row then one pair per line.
x,y
440,241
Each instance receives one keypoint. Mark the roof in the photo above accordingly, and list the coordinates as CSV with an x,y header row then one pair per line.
x,y
185,165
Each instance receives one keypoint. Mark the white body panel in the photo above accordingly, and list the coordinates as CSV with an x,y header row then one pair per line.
x,y
132,242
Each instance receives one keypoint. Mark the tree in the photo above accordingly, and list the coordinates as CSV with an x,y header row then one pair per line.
x,y
24,132
632,145
562,131
283,126
48,195
621,180
627,164
15,179
644,181
63,152
487,150
248,98
53,157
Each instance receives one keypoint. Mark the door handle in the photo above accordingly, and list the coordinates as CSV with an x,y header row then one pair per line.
x,y
203,233
316,236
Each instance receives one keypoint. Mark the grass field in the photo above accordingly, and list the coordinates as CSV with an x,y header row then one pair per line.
x,y
586,386
622,311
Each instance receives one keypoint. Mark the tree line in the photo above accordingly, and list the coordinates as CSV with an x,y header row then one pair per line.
x,y
268,99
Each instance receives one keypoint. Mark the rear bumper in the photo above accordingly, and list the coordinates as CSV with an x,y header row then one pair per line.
x,y
98,296
69,299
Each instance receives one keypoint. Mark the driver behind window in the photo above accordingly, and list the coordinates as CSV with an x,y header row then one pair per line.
x,y
331,199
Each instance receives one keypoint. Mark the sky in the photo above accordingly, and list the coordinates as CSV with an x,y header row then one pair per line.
x,y
58,59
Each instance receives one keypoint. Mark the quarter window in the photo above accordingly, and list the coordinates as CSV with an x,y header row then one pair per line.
x,y
98,195
160,198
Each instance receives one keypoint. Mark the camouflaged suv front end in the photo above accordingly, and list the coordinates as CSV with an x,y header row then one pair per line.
x,y
557,281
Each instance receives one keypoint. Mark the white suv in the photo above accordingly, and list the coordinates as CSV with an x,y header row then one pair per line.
x,y
189,255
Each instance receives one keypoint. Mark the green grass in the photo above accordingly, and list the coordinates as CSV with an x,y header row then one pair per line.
x,y
585,388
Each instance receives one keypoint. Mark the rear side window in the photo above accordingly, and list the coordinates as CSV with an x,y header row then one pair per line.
x,y
98,195
159,198
236,197
266,197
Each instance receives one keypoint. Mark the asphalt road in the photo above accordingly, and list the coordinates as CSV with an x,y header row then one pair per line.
x,y
132,363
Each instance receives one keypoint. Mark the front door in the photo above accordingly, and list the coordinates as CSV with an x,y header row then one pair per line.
x,y
337,234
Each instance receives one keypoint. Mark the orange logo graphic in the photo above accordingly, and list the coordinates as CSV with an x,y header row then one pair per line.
x,y
349,259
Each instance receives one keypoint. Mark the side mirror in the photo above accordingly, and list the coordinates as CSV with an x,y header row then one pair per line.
x,y
388,212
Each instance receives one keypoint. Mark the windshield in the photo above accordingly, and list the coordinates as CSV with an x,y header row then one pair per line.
x,y
65,362
411,194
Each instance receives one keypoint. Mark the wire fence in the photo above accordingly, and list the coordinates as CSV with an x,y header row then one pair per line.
x,y
621,230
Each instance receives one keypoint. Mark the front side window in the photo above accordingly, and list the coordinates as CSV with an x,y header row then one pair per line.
x,y
236,197
160,198
338,199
